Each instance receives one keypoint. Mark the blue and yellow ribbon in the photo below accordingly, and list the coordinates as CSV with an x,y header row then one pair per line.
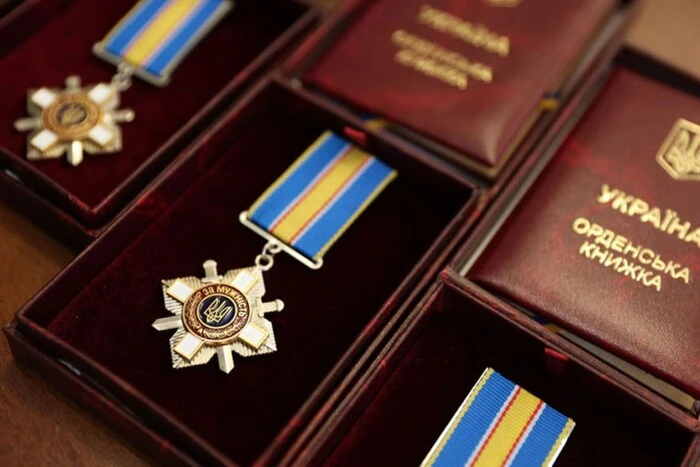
x,y
310,206
501,424
156,34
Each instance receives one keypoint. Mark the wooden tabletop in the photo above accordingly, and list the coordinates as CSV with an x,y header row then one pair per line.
x,y
669,31
39,426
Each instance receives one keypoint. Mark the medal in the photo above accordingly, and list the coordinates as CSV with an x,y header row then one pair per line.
x,y
303,213
149,42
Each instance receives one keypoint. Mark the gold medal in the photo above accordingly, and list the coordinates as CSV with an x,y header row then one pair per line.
x,y
149,42
218,315
303,213
73,120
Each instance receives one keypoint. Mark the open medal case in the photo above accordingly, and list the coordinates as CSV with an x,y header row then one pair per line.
x,y
191,215
444,346
377,348
42,42
461,327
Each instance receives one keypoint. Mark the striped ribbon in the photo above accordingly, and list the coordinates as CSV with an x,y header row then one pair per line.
x,y
156,34
501,424
312,204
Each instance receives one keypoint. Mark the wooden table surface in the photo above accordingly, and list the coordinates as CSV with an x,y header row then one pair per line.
x,y
39,426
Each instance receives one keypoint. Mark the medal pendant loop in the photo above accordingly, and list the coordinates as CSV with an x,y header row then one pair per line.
x,y
266,259
123,78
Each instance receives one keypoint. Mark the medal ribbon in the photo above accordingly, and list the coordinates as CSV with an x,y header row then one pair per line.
x,y
156,34
312,204
499,423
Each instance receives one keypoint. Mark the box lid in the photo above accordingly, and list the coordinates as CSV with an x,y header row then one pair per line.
x,y
607,242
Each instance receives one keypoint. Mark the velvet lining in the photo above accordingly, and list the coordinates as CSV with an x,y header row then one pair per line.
x,y
325,310
63,47
459,340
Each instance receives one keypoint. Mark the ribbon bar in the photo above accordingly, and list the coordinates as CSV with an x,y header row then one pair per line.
x,y
499,423
157,34
312,204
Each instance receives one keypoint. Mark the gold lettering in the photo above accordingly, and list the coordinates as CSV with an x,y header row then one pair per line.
x,y
652,217
586,249
629,269
609,241
671,269
694,237
658,264
607,194
622,202
676,226
669,222
606,238
596,231
613,261
667,219
638,207
634,250
599,254
655,282
437,62
431,68
618,244
477,35
646,253
684,274
581,226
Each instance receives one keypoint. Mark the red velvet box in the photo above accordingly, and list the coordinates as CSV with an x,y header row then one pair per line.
x,y
414,382
631,287
44,41
492,126
90,331
637,75
409,382
6,6
521,186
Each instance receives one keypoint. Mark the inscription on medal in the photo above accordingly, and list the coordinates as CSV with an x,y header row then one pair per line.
x,y
73,121
71,116
216,313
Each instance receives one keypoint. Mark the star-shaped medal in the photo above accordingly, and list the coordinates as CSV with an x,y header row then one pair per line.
x,y
218,315
73,120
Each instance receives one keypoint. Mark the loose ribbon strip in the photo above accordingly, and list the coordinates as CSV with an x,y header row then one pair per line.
x,y
157,34
501,424
312,204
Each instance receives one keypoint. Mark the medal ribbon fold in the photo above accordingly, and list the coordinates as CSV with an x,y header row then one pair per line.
x,y
312,204
499,423
156,34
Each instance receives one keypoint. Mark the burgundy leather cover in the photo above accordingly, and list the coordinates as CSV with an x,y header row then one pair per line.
x,y
539,261
482,120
